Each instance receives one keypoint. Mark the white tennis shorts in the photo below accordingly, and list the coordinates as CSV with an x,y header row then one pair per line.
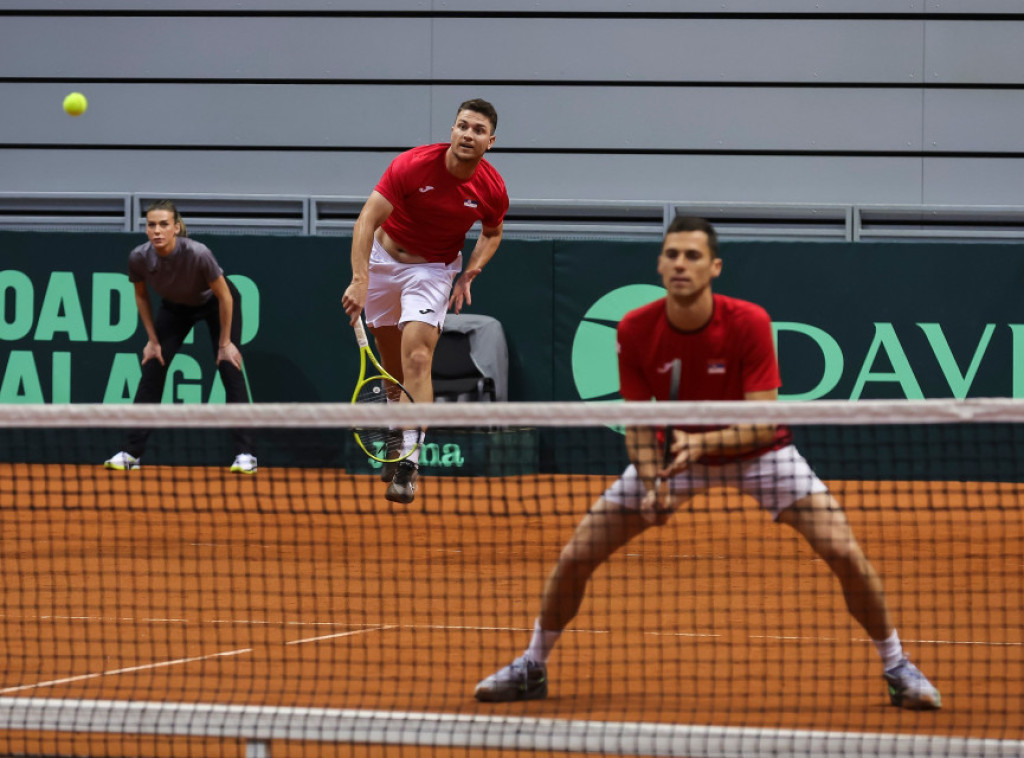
x,y
776,480
403,292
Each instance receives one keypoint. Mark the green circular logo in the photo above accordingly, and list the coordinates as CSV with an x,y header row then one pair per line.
x,y
595,366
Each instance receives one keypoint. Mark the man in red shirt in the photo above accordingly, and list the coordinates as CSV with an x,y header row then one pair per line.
x,y
726,350
407,252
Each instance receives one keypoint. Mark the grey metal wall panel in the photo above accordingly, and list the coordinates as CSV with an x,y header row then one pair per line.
x,y
230,115
689,118
973,181
974,52
701,178
212,48
191,171
974,121
612,118
973,7
683,50
216,5
523,6
816,87
822,7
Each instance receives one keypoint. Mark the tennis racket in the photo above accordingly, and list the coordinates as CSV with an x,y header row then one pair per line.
x,y
673,394
374,386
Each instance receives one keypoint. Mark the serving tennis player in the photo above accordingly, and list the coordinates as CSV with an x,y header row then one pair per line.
x,y
407,252
727,353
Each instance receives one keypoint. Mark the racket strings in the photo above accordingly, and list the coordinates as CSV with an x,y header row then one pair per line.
x,y
385,443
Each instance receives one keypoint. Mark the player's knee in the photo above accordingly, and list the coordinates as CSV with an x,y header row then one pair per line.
x,y
416,362
574,563
843,554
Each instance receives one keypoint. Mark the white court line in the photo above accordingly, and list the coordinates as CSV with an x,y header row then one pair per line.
x,y
473,628
126,670
351,633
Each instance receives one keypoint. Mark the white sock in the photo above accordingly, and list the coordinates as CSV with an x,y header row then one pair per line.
x,y
411,438
890,650
542,643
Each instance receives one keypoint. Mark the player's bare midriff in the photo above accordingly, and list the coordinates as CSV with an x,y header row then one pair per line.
x,y
395,250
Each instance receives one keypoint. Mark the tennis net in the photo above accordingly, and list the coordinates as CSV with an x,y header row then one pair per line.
x,y
182,609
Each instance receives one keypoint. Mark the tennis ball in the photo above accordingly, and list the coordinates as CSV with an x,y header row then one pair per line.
x,y
75,104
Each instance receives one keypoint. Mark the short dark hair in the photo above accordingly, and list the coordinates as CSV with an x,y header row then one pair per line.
x,y
695,224
484,108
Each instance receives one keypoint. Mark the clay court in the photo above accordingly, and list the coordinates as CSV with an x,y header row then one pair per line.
x,y
303,587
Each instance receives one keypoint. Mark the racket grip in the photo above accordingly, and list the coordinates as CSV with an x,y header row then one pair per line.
x,y
360,332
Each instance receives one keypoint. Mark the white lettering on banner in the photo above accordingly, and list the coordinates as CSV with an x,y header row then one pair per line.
x,y
886,342
112,318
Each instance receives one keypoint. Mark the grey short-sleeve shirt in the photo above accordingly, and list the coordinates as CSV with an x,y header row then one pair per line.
x,y
182,277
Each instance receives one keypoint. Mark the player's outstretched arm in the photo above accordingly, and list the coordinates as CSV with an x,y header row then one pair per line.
x,y
375,212
485,248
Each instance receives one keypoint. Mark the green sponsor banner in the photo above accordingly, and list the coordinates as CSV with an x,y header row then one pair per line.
x,y
464,452
69,330
852,320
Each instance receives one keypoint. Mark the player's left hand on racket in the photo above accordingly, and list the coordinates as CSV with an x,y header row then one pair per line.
x,y
375,385
658,502
353,300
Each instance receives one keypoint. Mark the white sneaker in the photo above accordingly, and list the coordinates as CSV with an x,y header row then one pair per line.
x,y
523,679
122,462
909,688
244,464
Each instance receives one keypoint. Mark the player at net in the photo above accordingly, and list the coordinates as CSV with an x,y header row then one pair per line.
x,y
726,350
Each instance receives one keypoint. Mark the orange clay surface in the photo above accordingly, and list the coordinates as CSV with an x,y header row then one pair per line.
x,y
304,587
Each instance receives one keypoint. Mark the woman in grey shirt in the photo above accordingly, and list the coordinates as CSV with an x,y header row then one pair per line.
x,y
193,288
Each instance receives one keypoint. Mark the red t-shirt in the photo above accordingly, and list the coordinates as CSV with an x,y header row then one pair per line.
x,y
733,354
433,210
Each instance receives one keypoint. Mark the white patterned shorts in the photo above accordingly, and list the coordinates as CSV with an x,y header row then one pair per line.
x,y
403,292
776,480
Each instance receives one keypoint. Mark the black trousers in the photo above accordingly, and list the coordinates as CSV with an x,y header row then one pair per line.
x,y
173,321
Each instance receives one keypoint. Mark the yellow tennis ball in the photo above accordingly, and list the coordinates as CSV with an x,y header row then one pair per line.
x,y
75,104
